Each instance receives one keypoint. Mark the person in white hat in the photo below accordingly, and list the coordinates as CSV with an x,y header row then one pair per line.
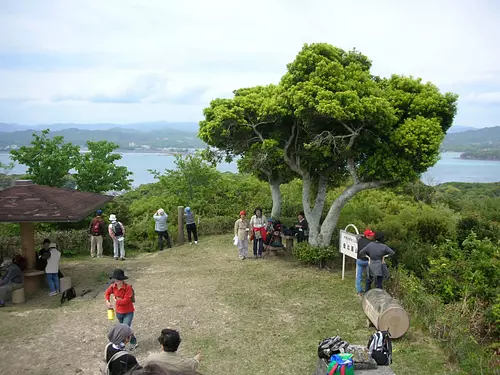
x,y
117,233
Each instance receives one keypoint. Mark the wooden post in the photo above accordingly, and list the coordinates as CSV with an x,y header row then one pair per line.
x,y
180,223
385,312
28,244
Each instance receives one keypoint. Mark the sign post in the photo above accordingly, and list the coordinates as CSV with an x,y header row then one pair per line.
x,y
348,245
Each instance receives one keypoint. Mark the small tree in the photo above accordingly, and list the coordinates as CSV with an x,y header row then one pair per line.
x,y
49,160
5,178
97,171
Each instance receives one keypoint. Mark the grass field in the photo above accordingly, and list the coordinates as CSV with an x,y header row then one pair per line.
x,y
247,317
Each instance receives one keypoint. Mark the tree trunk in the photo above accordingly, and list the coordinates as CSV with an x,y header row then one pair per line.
x,y
276,196
332,218
313,214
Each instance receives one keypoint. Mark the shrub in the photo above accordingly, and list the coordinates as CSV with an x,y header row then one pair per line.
x,y
314,255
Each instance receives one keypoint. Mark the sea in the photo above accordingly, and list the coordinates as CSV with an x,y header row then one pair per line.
x,y
450,168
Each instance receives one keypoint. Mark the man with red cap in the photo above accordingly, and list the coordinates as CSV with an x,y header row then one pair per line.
x,y
242,231
362,261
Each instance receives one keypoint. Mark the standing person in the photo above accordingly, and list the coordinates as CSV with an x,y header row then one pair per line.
x,y
97,228
42,256
13,280
117,233
161,228
242,231
302,228
258,229
362,261
123,294
190,225
376,253
118,360
168,358
52,269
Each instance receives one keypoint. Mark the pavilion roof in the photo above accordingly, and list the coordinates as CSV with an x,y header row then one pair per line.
x,y
28,202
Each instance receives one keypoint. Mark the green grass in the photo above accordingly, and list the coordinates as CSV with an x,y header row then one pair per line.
x,y
246,317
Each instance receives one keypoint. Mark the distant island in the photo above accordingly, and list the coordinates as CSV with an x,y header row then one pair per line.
x,y
486,154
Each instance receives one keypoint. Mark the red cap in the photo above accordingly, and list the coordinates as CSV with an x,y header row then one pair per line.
x,y
243,213
369,233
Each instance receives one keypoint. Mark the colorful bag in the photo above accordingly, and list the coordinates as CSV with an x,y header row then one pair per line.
x,y
341,364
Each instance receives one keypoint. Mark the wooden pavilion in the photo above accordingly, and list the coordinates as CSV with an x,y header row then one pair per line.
x,y
27,203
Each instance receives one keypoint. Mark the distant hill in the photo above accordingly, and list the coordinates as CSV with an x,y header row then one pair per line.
x,y
140,126
127,137
471,140
459,129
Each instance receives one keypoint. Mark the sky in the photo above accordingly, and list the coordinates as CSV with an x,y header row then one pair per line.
x,y
125,61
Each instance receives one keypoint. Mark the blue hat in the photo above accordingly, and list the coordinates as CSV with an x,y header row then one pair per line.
x,y
270,219
99,212
187,209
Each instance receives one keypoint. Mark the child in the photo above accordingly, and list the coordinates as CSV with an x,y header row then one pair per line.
x,y
118,361
52,269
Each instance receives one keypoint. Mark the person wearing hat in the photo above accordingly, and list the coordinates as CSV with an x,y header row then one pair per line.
x,y
97,228
168,358
362,261
123,294
11,281
190,225
52,269
376,252
242,231
118,360
116,231
161,228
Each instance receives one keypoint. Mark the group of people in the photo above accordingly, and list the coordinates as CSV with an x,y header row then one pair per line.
x,y
118,360
261,231
115,230
372,252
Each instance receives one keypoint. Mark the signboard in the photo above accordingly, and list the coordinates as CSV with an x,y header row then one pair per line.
x,y
348,245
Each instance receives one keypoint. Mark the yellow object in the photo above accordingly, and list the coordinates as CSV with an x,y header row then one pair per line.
x,y
111,314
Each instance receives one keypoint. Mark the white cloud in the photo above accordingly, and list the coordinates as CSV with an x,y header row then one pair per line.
x,y
166,52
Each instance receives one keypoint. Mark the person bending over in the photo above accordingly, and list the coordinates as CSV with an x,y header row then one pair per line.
x,y
376,253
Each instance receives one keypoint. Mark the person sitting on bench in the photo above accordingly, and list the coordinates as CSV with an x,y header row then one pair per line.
x,y
13,280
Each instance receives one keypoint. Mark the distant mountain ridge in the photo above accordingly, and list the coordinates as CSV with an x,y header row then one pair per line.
x,y
128,137
470,140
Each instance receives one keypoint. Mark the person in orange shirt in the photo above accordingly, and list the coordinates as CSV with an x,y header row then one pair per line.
x,y
123,294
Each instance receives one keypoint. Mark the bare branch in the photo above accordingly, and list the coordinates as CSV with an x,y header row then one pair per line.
x,y
351,167
292,161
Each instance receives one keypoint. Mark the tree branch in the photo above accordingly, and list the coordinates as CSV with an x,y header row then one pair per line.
x,y
292,161
351,167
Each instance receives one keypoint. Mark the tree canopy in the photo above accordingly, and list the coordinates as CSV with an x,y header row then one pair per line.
x,y
335,123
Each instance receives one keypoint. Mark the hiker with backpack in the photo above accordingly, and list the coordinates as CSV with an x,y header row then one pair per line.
x,y
190,225
12,280
117,233
124,297
118,360
376,252
161,228
97,228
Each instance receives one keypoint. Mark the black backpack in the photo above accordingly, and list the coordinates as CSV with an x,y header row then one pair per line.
x,y
68,295
331,346
117,229
380,346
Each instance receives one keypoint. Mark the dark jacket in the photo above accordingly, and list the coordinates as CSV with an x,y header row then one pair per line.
x,y
362,242
376,251
13,275
121,365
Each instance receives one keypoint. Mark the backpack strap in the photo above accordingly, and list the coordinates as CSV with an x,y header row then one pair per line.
x,y
334,368
115,356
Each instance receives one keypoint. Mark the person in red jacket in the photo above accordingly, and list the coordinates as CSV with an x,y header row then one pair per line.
x,y
123,295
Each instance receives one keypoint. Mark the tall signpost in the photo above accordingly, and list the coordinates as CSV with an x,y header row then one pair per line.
x,y
348,245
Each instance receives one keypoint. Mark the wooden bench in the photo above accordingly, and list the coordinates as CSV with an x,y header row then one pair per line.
x,y
289,242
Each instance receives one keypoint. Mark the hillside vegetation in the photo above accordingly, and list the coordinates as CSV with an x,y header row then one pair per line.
x,y
472,140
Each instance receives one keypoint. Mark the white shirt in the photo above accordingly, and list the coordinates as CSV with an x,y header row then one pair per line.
x,y
53,261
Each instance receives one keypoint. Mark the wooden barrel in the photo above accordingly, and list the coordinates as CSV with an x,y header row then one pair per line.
x,y
385,312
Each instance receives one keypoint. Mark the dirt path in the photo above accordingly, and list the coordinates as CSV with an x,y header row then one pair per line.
x,y
253,316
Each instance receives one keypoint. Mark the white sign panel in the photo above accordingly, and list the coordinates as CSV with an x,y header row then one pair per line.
x,y
348,244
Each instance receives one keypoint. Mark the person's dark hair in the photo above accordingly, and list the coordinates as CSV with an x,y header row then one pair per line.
x,y
46,241
170,339
301,213
257,209
379,236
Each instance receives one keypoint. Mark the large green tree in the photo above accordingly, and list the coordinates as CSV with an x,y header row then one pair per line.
x,y
341,125
247,126
97,171
49,160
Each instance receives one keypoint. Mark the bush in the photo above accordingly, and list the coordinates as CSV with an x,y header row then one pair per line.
x,y
314,255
